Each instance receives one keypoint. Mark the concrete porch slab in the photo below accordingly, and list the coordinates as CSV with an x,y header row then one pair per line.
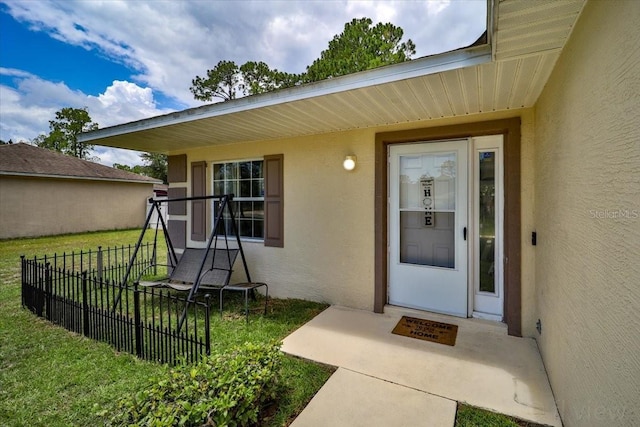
x,y
351,399
486,368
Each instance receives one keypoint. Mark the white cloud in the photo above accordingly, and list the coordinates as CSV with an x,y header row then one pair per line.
x,y
12,72
19,123
110,156
434,7
27,109
123,102
169,43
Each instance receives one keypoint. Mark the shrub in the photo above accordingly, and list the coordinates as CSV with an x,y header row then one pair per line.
x,y
227,389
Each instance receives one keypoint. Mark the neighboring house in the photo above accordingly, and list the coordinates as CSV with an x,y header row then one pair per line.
x,y
460,158
43,192
160,190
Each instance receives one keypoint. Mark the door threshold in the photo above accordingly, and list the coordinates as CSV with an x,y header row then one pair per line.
x,y
487,316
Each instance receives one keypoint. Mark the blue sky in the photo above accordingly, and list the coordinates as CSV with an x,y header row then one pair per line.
x,y
40,54
126,61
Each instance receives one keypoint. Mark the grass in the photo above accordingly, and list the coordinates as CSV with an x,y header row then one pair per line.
x,y
469,416
51,377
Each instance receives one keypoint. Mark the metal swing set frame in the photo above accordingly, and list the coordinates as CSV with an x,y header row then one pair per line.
x,y
208,268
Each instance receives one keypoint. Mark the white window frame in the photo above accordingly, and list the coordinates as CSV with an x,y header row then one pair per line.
x,y
495,144
237,198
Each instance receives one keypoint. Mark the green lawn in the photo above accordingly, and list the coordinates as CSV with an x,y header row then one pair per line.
x,y
51,377
468,416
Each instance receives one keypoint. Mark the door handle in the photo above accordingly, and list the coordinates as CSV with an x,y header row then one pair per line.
x,y
464,233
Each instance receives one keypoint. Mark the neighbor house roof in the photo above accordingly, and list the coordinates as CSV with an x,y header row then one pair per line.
x,y
524,41
28,160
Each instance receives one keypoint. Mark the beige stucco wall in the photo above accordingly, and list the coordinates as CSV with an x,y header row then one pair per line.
x,y
328,251
527,209
587,201
329,214
48,206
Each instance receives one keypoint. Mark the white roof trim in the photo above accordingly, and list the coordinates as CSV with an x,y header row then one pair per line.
x,y
461,58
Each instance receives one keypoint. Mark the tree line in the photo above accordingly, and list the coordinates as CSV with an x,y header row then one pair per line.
x,y
361,46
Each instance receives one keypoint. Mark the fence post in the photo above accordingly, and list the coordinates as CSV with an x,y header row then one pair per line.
x,y
22,281
37,283
85,306
207,329
48,289
154,259
138,322
99,263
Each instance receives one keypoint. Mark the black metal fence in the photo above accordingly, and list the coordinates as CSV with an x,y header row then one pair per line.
x,y
110,263
93,302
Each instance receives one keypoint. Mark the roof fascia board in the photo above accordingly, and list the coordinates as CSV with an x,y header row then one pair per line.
x,y
406,70
79,178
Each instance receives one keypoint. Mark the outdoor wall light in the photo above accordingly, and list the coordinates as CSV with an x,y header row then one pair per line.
x,y
349,163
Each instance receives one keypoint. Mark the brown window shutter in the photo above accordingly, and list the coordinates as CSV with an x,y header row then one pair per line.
x,y
274,200
198,207
178,233
177,208
177,168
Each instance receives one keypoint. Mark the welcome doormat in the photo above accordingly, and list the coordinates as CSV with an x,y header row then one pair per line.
x,y
427,330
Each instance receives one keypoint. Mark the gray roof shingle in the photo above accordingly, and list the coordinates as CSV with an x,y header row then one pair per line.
x,y
25,159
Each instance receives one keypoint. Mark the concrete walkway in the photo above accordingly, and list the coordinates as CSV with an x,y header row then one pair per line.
x,y
392,380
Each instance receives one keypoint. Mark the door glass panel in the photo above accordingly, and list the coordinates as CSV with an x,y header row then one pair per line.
x,y
487,220
427,209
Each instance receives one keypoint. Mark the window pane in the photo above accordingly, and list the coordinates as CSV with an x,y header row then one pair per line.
x,y
258,229
487,221
229,226
257,188
258,210
245,170
220,230
428,181
236,209
230,171
245,210
246,228
218,172
218,188
256,169
231,187
245,188
225,214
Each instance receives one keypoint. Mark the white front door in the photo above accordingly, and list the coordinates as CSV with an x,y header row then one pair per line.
x,y
428,226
